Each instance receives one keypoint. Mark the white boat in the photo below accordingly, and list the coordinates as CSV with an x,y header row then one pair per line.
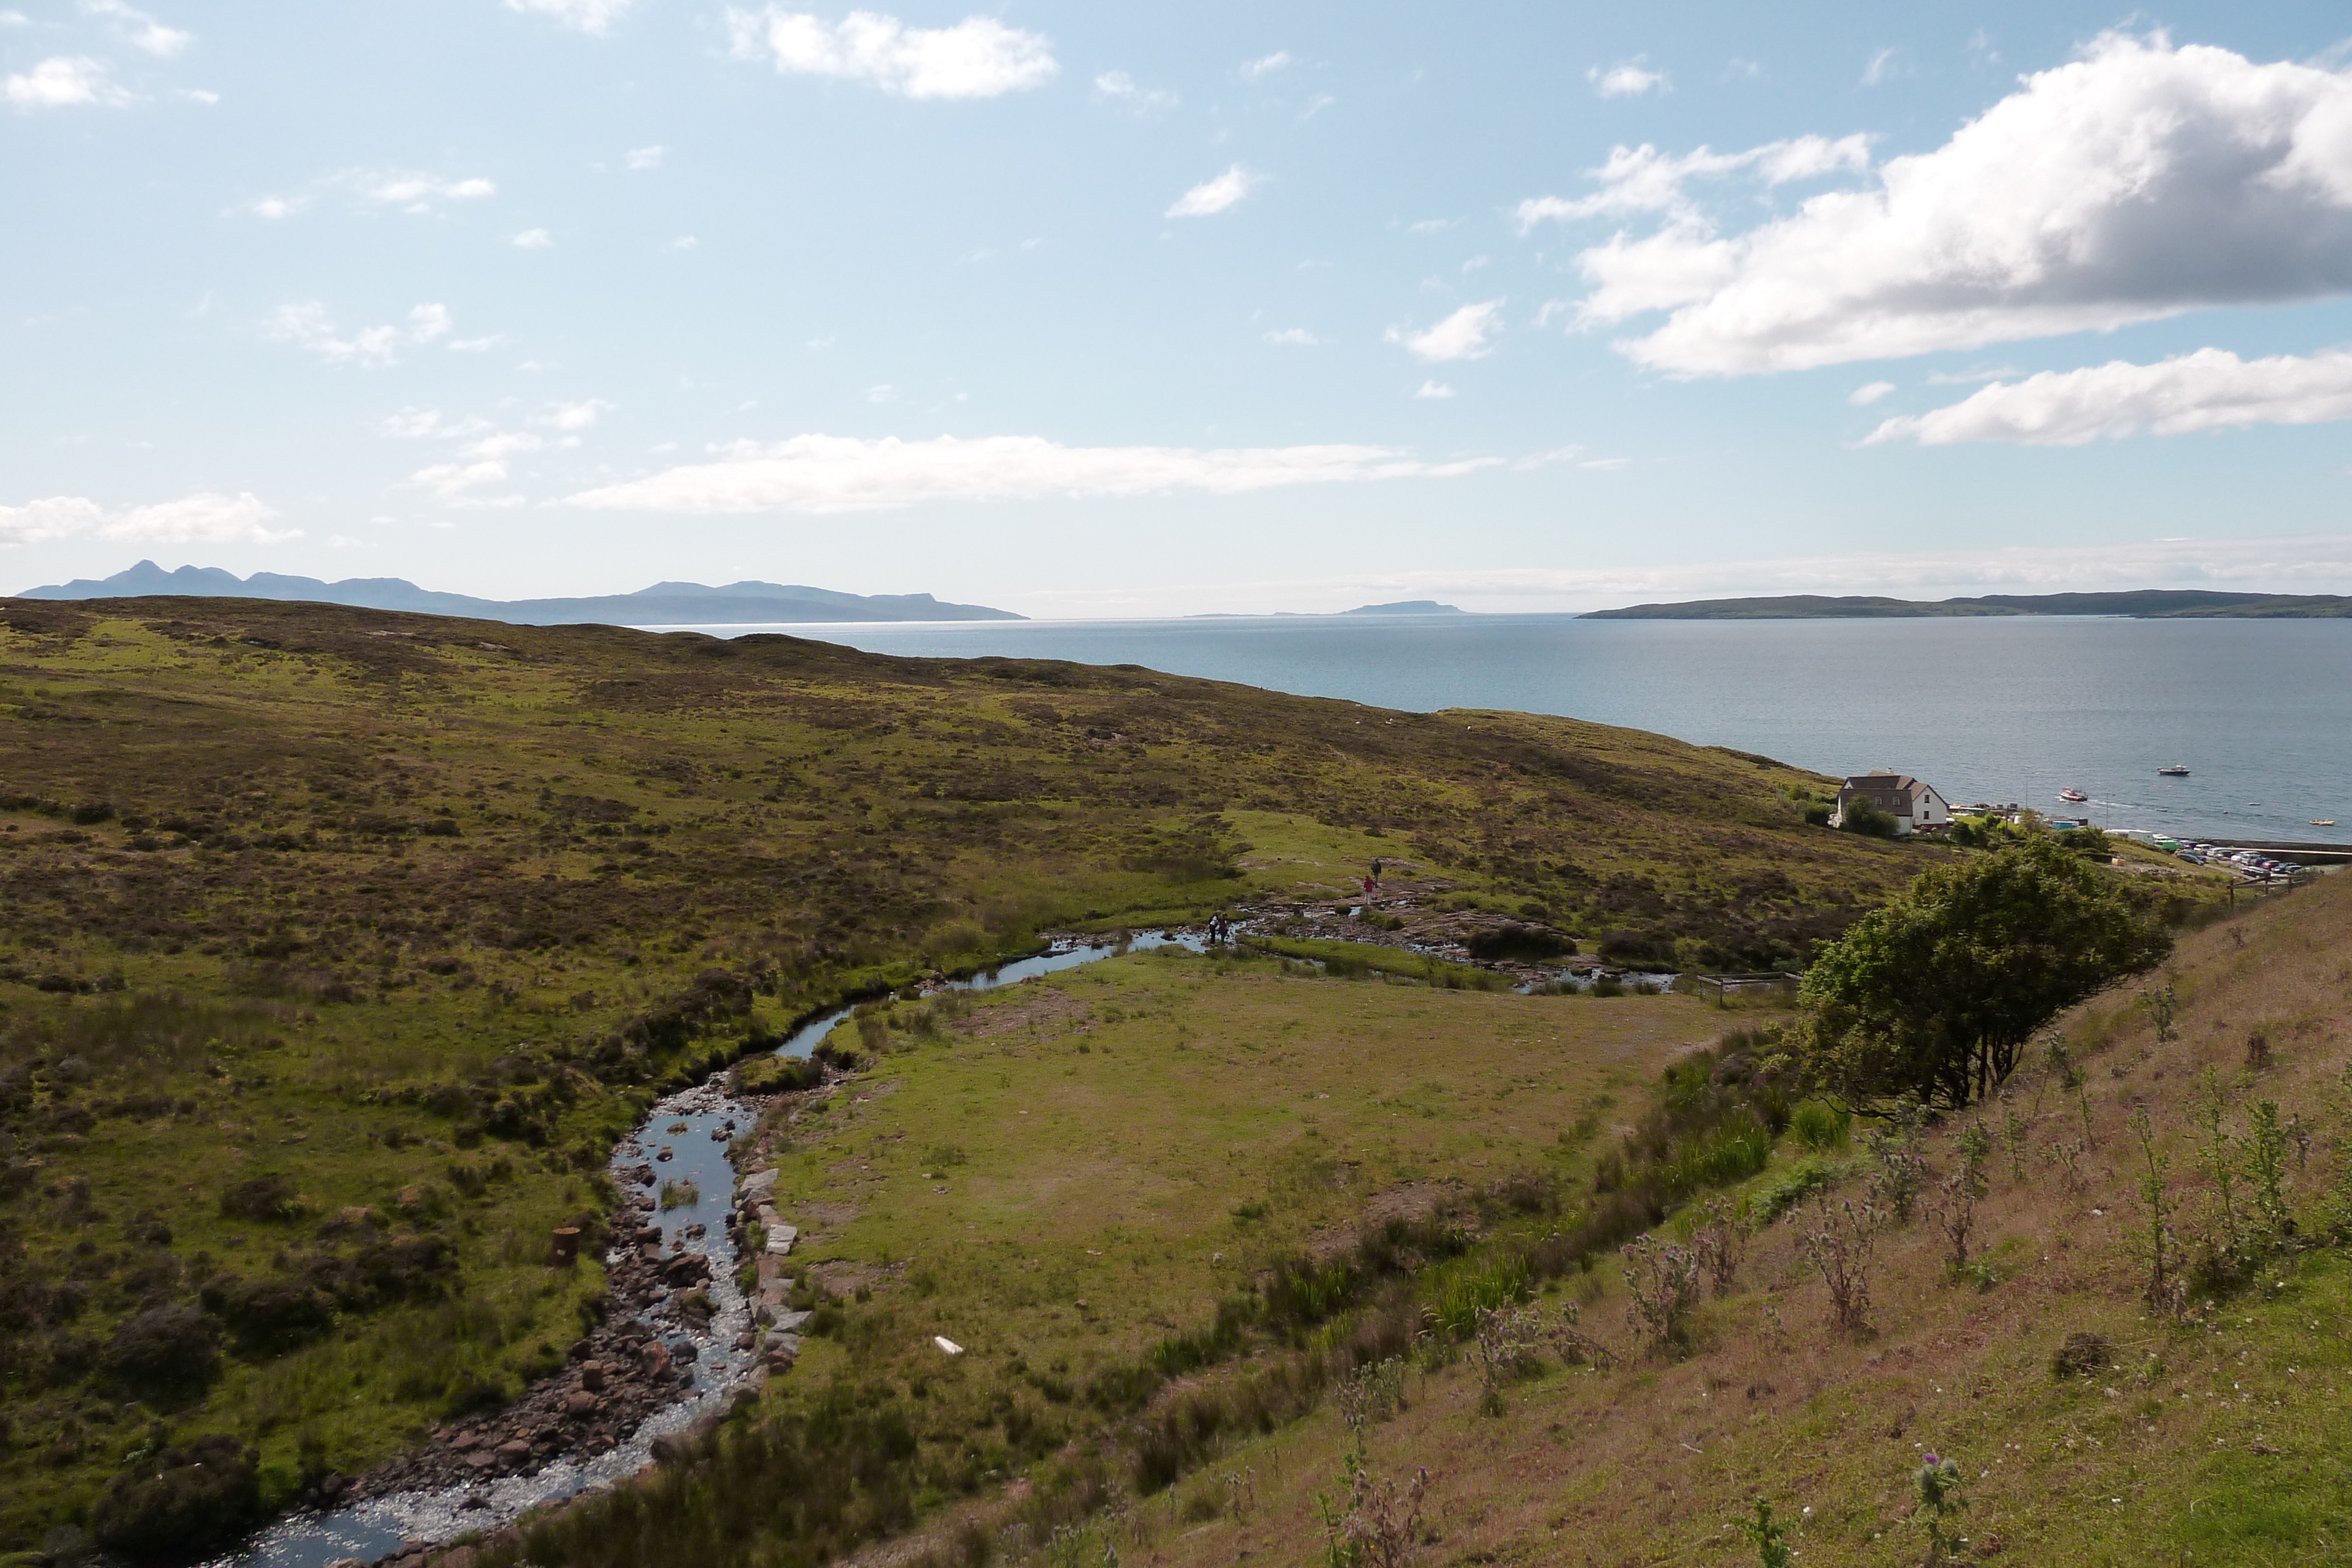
x,y
2175,771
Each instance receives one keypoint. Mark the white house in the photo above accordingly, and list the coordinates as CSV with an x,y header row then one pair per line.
x,y
1914,805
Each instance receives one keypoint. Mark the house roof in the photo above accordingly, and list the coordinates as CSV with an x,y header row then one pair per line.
x,y
1884,786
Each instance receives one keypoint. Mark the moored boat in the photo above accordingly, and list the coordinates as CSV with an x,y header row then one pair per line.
x,y
2175,771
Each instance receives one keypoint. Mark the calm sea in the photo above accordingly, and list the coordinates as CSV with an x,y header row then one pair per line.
x,y
2003,709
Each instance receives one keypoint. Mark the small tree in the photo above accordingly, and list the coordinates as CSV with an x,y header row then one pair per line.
x,y
1936,994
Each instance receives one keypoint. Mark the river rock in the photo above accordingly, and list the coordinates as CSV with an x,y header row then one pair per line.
x,y
687,1268
591,1376
760,1182
514,1450
581,1405
790,1321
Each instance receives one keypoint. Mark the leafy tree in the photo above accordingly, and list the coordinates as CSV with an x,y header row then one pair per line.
x,y
1936,994
1864,816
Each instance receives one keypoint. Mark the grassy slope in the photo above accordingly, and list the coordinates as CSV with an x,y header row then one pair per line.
x,y
2213,1439
273,960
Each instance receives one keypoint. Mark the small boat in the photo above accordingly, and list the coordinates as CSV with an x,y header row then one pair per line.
x,y
2323,821
2175,771
2072,797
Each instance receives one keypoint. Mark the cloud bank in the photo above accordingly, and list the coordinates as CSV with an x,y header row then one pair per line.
x,y
977,57
205,517
2136,183
826,475
2211,389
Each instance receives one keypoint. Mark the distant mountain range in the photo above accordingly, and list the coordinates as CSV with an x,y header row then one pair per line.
x,y
1406,607
2146,603
662,604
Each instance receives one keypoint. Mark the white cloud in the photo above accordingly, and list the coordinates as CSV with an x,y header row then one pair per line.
x,y
1431,225
2139,182
977,57
308,325
138,29
1292,337
1605,465
1863,396
1460,336
1266,65
205,517
644,157
1881,67
1434,389
1213,196
1637,180
533,239
14,19
820,475
64,82
1627,79
412,193
407,190
454,483
2211,389
416,423
1120,89
574,416
596,17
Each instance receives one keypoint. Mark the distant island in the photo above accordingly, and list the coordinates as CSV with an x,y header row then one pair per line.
x,y
1406,607
2146,603
662,604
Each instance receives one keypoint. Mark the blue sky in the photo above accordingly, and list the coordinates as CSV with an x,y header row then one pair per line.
x,y
1094,310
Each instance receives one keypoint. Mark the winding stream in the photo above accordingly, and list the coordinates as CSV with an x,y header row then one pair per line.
x,y
378,1526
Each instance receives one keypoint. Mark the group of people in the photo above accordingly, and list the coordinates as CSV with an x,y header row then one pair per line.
x,y
1221,929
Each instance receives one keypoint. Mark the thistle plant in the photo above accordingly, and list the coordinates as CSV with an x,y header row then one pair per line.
x,y
2219,1160
1573,1344
2152,1242
2162,1006
1505,1342
1841,1244
1769,1536
1954,1210
2068,1158
2014,1134
1663,1283
1937,1481
2266,1146
1720,1244
1902,1171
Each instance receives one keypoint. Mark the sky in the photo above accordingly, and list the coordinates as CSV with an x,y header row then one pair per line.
x,y
1157,310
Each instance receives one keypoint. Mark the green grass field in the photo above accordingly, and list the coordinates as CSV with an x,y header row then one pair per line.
x,y
408,917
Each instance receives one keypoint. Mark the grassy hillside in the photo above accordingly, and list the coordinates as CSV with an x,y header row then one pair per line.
x,y
2092,1420
337,946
